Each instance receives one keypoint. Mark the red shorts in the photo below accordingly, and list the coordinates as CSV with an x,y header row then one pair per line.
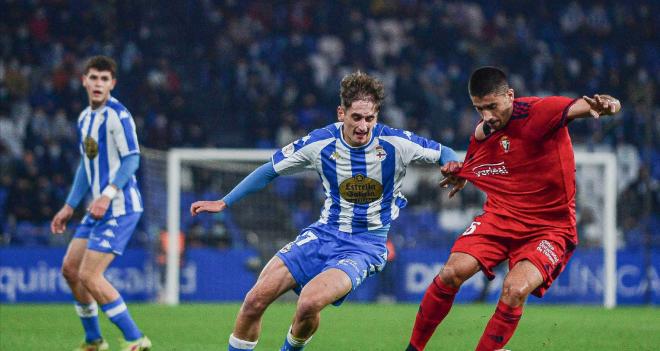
x,y
487,240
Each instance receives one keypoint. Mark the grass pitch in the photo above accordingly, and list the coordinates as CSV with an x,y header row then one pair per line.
x,y
349,327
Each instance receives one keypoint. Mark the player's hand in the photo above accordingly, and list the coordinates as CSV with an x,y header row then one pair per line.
x,y
450,171
451,168
58,224
207,206
99,206
602,105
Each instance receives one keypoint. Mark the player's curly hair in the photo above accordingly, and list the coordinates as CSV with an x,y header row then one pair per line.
x,y
101,63
361,86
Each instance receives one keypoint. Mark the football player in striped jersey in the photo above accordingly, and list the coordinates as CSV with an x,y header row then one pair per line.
x,y
110,155
362,165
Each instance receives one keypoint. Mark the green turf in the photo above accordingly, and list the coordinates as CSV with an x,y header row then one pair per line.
x,y
350,327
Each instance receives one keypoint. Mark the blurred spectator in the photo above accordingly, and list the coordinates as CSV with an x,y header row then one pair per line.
x,y
254,74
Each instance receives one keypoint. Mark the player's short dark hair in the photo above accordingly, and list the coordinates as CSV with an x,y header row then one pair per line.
x,y
361,86
487,80
101,63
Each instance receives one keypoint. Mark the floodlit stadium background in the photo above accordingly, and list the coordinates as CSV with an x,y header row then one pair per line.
x,y
258,74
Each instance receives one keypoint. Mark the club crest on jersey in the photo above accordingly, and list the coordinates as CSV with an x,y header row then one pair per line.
x,y
91,147
360,189
380,153
506,144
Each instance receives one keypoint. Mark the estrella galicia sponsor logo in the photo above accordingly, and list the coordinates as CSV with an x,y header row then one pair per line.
x,y
490,169
360,189
91,147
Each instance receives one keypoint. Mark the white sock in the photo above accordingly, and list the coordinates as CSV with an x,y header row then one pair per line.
x,y
296,342
241,344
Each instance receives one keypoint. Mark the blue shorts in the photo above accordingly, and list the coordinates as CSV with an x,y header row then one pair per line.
x,y
319,248
108,234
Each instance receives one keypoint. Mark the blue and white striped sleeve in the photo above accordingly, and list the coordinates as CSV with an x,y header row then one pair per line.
x,y
300,154
413,148
123,132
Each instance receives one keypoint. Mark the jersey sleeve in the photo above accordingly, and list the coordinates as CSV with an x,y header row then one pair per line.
x,y
425,150
300,154
548,115
122,129
413,148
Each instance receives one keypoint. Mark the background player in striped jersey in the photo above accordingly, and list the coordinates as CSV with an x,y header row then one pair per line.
x,y
110,157
521,156
361,164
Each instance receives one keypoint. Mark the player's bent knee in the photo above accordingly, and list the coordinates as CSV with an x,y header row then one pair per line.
x,y
254,305
451,277
89,280
308,307
70,273
515,294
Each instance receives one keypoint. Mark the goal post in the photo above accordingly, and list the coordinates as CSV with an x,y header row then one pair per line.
x,y
174,160
608,161
178,157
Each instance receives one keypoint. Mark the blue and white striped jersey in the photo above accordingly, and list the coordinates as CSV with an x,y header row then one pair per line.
x,y
362,184
107,134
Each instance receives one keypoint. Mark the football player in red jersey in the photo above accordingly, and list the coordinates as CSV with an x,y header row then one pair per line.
x,y
521,156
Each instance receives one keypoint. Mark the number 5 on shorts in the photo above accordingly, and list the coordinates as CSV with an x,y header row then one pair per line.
x,y
306,237
472,228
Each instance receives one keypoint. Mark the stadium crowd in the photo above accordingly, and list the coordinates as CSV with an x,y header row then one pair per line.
x,y
256,74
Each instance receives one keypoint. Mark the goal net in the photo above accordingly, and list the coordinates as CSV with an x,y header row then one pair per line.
x,y
269,219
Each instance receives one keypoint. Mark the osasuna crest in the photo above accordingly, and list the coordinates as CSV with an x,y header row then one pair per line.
x,y
380,153
506,144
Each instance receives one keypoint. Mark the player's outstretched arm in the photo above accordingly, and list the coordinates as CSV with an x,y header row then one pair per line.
x,y
596,106
450,171
207,206
255,181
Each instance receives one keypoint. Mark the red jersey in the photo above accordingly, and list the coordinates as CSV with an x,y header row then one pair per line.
x,y
527,169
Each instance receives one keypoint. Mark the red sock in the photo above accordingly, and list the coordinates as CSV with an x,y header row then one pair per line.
x,y
435,306
500,328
